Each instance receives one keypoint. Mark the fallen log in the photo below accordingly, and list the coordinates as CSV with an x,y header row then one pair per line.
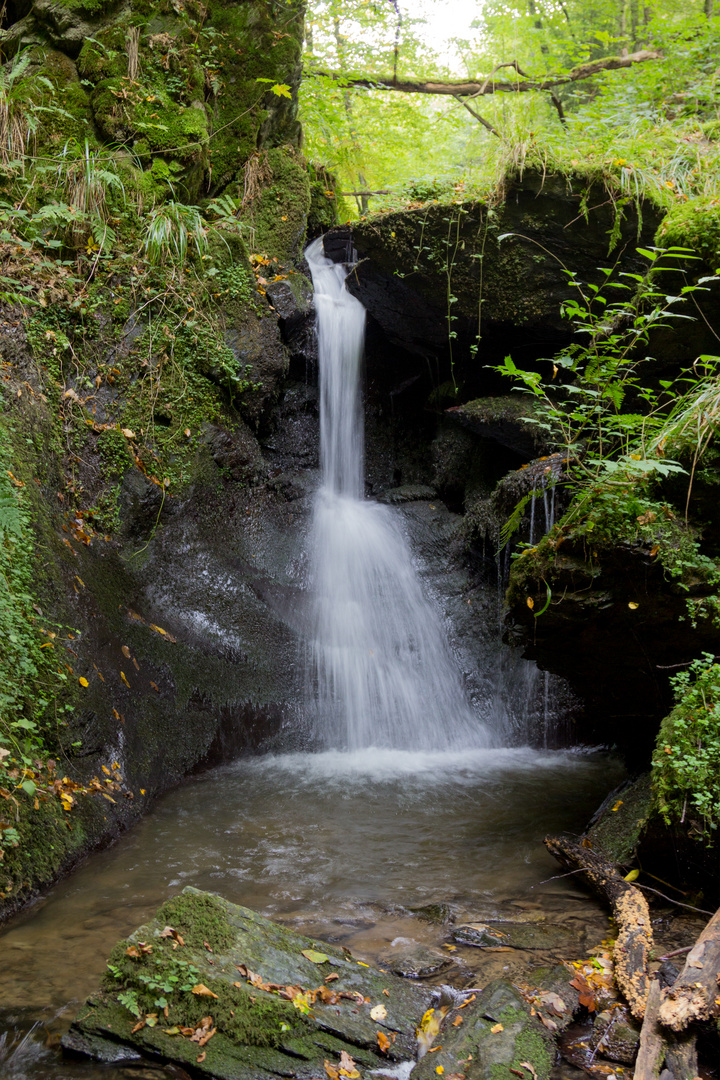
x,y
630,909
694,994
652,1044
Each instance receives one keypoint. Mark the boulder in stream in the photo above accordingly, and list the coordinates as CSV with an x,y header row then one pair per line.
x,y
221,991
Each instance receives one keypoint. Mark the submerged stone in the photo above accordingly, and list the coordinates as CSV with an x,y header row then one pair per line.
x,y
512,935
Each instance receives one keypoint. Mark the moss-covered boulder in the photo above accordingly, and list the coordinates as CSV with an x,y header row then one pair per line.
x,y
497,1039
199,88
221,989
230,995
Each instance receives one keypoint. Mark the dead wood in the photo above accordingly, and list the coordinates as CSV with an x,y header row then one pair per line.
x,y
652,1044
694,994
488,85
630,909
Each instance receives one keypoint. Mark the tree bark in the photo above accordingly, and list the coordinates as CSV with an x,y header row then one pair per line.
x,y
478,88
652,1045
635,938
694,994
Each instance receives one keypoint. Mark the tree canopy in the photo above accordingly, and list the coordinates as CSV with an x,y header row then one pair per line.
x,y
616,88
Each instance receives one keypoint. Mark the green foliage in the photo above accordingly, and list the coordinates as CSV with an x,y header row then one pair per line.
x,y
30,682
642,130
172,230
686,762
595,406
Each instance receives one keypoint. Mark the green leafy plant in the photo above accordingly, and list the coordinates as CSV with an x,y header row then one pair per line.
x,y
686,762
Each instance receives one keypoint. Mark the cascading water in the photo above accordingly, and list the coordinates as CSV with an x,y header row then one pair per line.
x,y
382,673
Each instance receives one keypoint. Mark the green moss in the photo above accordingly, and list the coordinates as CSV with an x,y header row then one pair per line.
x,y
327,206
694,224
201,918
88,7
278,215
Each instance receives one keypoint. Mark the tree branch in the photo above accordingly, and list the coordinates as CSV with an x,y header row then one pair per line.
x,y
485,123
479,88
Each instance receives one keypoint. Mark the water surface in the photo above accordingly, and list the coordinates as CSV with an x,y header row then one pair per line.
x,y
338,845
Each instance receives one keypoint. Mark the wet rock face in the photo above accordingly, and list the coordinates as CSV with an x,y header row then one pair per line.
x,y
510,288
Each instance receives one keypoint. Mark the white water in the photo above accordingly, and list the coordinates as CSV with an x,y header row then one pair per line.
x,y
382,672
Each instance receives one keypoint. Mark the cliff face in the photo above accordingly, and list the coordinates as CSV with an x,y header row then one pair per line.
x,y
145,544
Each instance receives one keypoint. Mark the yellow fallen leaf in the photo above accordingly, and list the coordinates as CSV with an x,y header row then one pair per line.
x,y
124,679
439,1070
633,606
203,991
383,1042
83,681
497,1028
530,602
128,433
633,875
378,1012
316,957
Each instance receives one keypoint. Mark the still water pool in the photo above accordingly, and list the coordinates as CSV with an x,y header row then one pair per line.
x,y
341,846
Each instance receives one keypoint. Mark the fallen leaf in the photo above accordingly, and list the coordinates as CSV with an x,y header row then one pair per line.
x,y
124,679
128,433
530,1069
138,1027
334,975
316,957
203,991
201,1057
383,1042
83,681
378,1012
457,1021
633,606
125,651
439,1070
632,876
530,602
497,1028
347,1066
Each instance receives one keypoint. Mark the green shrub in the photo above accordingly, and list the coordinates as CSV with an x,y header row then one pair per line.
x,y
686,762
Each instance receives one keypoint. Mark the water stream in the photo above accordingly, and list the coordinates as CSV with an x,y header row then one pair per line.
x,y
408,806
383,672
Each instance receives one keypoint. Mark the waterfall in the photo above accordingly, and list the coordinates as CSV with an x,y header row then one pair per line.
x,y
382,674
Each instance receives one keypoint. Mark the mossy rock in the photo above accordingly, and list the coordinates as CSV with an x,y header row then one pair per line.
x,y
496,1037
696,225
278,215
206,957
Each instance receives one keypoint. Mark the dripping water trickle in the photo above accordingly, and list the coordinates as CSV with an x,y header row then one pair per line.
x,y
382,673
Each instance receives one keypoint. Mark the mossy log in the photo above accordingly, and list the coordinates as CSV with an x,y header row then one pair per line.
x,y
630,909
694,994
